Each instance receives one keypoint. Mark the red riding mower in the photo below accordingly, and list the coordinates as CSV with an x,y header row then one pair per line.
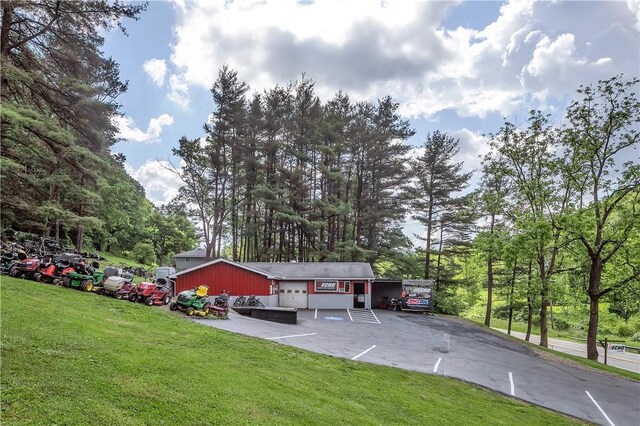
x,y
151,294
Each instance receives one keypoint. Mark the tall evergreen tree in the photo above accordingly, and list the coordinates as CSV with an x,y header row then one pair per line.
x,y
432,193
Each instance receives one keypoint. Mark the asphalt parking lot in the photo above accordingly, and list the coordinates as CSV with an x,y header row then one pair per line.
x,y
453,348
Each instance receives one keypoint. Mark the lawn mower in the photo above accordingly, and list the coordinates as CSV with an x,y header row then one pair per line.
x,y
193,302
11,260
26,268
83,278
151,294
118,287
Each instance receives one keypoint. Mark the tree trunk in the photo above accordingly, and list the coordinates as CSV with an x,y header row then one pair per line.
x,y
487,315
544,341
595,275
529,303
513,284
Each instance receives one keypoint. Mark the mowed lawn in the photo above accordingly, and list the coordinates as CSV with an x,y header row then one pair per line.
x,y
77,358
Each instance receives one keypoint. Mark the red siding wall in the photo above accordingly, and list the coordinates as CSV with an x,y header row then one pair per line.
x,y
223,276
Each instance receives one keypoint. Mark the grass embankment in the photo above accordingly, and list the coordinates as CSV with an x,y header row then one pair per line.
x,y
76,358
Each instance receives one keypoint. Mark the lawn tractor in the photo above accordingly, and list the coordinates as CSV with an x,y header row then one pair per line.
x,y
26,268
193,302
11,260
118,287
151,294
83,278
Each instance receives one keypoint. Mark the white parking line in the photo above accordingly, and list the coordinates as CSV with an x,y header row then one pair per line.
x,y
360,354
513,388
374,315
599,408
293,335
349,315
435,367
316,315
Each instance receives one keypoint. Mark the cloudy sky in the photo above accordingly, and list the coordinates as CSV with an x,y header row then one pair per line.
x,y
458,67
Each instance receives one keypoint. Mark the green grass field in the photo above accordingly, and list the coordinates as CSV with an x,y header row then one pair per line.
x,y
78,358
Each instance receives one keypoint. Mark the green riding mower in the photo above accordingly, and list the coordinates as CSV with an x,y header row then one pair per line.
x,y
193,302
83,278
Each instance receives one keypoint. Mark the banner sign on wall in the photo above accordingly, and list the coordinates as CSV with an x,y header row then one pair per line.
x,y
326,285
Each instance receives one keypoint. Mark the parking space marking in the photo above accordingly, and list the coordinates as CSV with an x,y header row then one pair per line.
x,y
513,388
316,315
599,408
362,353
363,315
293,335
435,367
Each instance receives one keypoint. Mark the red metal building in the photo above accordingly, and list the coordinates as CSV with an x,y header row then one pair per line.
x,y
324,285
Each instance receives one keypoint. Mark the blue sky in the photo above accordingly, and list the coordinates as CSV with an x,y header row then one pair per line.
x,y
458,67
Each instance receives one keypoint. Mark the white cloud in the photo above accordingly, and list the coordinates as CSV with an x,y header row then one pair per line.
x,y
156,69
634,7
127,129
372,48
178,91
160,183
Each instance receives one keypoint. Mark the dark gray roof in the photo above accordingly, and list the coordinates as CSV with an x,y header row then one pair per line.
x,y
315,270
192,253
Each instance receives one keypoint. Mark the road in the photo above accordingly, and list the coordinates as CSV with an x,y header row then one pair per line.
x,y
628,361
457,349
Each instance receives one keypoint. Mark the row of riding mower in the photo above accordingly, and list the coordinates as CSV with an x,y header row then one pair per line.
x,y
196,302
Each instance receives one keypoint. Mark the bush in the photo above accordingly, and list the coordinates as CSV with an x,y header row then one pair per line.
x,y
144,253
561,324
519,311
636,337
625,330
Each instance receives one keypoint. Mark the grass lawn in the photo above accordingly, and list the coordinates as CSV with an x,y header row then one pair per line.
x,y
78,358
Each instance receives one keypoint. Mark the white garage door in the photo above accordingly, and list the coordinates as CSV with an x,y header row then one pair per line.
x,y
293,295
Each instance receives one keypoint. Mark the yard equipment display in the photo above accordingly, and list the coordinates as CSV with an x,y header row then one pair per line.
x,y
118,287
193,302
151,294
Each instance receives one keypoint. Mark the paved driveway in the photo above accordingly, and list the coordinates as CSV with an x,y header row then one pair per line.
x,y
449,347
627,360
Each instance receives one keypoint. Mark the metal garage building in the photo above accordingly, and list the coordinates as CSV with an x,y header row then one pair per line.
x,y
312,285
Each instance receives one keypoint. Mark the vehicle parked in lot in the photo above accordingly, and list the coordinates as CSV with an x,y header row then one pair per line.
x,y
151,294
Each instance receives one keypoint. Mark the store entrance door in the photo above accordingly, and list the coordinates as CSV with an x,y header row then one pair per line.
x,y
358,295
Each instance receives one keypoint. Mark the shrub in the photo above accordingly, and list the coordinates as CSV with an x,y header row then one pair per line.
x,y
625,330
144,253
561,324
519,311
636,337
